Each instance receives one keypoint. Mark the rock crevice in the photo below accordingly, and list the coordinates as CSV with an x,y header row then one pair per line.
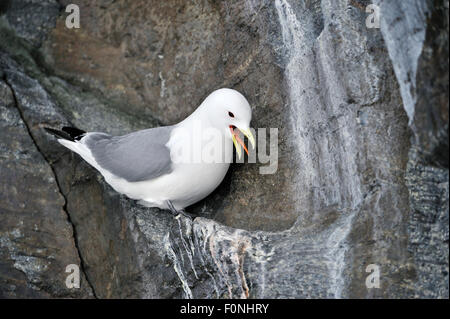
x,y
64,207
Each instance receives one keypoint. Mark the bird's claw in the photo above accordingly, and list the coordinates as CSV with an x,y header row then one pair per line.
x,y
185,214
177,213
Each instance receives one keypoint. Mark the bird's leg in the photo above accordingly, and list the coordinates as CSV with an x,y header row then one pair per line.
x,y
186,214
176,213
172,209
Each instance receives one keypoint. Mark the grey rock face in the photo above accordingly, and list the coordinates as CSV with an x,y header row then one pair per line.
x,y
426,87
428,226
36,239
362,177
31,19
403,24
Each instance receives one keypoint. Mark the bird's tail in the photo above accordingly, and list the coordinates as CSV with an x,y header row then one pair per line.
x,y
68,133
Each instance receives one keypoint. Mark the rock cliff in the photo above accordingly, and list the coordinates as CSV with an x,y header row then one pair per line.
x,y
362,170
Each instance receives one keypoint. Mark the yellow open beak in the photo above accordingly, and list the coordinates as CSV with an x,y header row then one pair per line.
x,y
238,142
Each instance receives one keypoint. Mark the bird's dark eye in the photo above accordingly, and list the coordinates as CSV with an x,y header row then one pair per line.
x,y
230,114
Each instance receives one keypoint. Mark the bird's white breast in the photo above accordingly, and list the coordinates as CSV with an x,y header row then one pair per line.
x,y
194,176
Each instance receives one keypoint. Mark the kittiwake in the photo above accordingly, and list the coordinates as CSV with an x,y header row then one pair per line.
x,y
169,167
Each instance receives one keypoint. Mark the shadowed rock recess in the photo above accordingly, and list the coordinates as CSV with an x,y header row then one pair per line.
x,y
363,162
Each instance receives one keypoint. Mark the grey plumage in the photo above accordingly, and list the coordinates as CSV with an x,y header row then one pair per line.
x,y
136,157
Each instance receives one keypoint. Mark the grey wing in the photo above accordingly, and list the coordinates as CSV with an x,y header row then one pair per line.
x,y
136,157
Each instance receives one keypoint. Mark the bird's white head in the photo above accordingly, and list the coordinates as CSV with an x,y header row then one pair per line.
x,y
229,110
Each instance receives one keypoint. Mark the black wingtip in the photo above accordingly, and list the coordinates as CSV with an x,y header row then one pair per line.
x,y
58,133
75,133
67,133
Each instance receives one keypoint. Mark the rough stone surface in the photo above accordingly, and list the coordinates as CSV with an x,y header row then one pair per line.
x,y
419,52
36,238
31,19
362,172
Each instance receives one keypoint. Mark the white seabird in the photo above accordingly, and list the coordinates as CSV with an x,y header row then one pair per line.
x,y
166,167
